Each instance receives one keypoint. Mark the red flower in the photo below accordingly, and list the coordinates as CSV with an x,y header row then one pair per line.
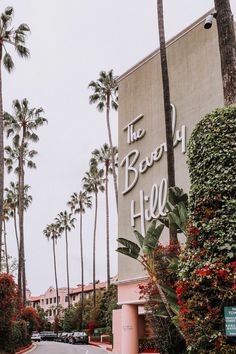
x,y
223,273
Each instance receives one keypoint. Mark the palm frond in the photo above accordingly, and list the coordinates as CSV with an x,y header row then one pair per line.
x,y
8,62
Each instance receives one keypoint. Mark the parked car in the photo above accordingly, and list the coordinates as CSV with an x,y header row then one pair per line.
x,y
35,337
48,335
65,337
78,337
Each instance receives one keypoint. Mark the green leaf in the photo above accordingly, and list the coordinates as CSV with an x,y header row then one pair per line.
x,y
139,237
127,252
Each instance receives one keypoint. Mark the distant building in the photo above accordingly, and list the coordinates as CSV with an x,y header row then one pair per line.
x,y
48,301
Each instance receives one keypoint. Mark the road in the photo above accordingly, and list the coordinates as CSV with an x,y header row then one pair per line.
x,y
63,348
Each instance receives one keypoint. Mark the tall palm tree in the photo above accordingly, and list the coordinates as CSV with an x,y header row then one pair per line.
x,y
15,37
105,94
78,203
93,183
167,107
22,125
227,46
104,156
52,232
65,222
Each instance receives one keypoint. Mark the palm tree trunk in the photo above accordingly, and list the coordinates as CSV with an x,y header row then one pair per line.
x,y
82,265
94,250
5,243
16,232
112,150
227,46
55,269
167,108
67,269
1,159
107,229
21,267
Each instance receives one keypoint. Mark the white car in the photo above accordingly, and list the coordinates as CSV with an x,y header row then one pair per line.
x,y
36,337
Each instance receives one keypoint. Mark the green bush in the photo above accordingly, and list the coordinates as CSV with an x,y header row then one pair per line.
x,y
208,263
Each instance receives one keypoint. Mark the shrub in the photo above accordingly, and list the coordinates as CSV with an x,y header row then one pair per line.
x,y
32,319
207,265
18,337
8,306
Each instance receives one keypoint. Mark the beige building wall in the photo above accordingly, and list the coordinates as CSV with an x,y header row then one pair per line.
x,y
195,89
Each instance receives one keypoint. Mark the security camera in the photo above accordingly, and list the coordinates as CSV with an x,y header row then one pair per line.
x,y
209,20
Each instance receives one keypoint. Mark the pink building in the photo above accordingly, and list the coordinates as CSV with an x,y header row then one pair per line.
x,y
195,89
48,301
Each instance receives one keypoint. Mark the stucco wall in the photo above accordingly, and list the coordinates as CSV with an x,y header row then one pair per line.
x,y
195,87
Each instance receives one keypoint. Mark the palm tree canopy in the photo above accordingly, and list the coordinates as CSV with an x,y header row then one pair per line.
x,y
105,90
93,181
52,231
104,156
80,201
13,154
24,119
65,221
15,37
12,194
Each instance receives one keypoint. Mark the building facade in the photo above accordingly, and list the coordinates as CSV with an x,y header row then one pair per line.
x,y
195,89
48,300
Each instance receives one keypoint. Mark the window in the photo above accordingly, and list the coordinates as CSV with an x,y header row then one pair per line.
x,y
50,300
73,297
50,312
42,301
55,300
46,301
66,298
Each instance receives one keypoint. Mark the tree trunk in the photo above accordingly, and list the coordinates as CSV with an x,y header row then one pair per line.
x,y
227,46
82,264
112,150
67,269
1,159
16,232
94,250
107,229
21,266
5,244
167,107
55,269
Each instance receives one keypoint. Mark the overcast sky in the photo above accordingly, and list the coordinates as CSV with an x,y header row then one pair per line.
x,y
71,41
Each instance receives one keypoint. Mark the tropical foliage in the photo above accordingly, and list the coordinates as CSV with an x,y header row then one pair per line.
x,y
15,37
207,265
105,95
160,263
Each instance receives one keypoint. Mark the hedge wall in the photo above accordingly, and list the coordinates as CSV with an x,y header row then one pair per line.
x,y
208,265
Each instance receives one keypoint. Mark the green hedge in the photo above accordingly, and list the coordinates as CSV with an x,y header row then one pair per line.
x,y
208,262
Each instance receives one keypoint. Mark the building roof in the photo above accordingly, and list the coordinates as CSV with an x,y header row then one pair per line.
x,y
168,43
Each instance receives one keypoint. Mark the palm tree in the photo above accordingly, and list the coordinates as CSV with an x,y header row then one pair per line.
x,y
22,125
93,183
65,222
78,202
52,232
104,156
12,199
167,107
105,94
16,38
227,46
